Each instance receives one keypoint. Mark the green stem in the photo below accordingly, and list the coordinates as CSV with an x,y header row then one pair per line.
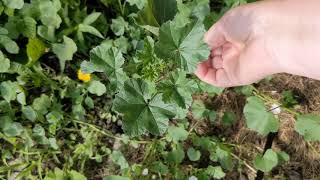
x,y
39,167
149,151
124,6
121,7
108,134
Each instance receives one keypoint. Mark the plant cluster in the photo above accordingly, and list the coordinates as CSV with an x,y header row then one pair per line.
x,y
84,83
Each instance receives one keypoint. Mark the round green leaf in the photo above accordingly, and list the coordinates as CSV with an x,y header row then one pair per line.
x,y
89,102
5,63
212,116
177,155
9,127
97,88
8,90
309,127
64,51
118,158
283,157
14,4
194,155
177,133
198,109
215,172
257,117
228,118
21,98
266,162
41,104
29,113
10,45
49,13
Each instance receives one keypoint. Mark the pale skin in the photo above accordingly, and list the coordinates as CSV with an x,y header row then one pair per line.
x,y
259,39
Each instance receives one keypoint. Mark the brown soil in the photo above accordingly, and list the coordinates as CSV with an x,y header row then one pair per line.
x,y
304,157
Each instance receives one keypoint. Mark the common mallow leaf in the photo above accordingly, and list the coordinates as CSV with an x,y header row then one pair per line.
x,y
266,162
178,89
257,117
142,109
183,44
97,88
308,126
108,60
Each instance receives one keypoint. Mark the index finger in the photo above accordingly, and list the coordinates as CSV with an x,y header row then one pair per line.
x,y
215,36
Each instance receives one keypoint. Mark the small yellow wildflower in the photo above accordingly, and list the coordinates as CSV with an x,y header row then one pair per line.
x,y
83,76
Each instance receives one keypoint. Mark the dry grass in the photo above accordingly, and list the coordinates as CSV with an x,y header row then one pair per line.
x,y
305,157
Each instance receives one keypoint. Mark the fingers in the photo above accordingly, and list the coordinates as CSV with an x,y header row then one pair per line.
x,y
217,62
222,79
217,51
210,75
221,68
215,37
202,69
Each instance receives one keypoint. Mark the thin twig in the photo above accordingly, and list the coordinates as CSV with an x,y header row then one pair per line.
x,y
313,148
244,162
193,126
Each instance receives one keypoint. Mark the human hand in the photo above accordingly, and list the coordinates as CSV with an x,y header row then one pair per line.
x,y
256,40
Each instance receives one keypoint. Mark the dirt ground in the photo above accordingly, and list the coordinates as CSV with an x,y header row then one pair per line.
x,y
304,157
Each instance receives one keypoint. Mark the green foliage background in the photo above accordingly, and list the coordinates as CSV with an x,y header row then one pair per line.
x,y
141,55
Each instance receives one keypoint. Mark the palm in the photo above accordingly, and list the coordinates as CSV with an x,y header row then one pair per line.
x,y
238,55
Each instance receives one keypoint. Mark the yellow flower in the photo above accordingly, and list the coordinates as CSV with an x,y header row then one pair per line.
x,y
83,76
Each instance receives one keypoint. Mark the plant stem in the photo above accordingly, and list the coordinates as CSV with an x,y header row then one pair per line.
x,y
105,133
121,7
193,126
244,162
